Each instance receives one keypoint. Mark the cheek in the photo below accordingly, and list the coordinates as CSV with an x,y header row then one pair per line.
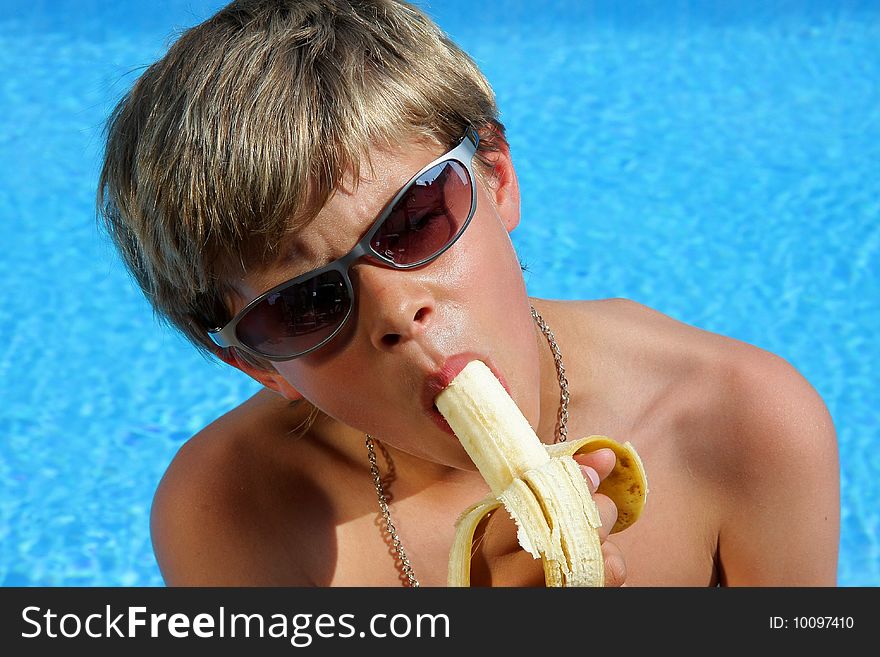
x,y
332,388
486,269
312,376
491,290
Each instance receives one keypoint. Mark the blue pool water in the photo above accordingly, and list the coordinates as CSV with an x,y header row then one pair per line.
x,y
716,163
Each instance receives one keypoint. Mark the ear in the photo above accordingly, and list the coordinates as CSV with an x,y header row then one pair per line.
x,y
503,186
269,378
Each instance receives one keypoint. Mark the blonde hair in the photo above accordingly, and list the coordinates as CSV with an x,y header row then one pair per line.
x,y
237,137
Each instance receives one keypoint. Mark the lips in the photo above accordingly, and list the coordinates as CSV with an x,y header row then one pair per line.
x,y
437,381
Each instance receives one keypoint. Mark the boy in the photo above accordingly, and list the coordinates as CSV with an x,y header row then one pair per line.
x,y
319,193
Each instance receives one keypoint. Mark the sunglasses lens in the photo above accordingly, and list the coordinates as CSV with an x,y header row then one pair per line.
x,y
296,318
428,217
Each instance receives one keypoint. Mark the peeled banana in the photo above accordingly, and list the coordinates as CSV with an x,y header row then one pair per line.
x,y
541,486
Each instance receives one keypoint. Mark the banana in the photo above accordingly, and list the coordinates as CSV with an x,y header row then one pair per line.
x,y
541,486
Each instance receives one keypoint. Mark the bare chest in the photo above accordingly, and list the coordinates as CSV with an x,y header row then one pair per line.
x,y
418,541
674,543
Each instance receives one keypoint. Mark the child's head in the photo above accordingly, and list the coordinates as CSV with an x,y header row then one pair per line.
x,y
236,139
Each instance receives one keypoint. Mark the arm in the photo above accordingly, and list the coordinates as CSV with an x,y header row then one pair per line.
x,y
781,522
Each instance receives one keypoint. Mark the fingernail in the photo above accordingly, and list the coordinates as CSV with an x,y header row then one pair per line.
x,y
592,474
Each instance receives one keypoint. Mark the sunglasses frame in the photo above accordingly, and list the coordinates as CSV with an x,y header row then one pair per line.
x,y
463,153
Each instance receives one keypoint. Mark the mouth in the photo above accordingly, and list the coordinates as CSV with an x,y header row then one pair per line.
x,y
437,382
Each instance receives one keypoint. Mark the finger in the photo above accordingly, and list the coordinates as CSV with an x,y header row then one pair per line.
x,y
607,513
602,461
615,564
497,558
591,476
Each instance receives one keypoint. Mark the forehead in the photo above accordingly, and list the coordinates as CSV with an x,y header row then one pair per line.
x,y
351,209
382,173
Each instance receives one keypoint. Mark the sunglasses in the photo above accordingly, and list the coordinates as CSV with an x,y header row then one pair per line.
x,y
424,218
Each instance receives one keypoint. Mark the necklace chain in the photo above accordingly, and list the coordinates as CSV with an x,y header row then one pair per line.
x,y
390,529
561,436
562,421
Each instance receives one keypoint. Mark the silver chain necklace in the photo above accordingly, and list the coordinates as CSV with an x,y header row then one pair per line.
x,y
561,436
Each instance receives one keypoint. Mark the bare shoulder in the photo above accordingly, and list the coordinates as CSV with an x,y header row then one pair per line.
x,y
753,429
215,518
761,407
616,314
778,463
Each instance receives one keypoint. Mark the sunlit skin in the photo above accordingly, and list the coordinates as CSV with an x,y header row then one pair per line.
x,y
739,449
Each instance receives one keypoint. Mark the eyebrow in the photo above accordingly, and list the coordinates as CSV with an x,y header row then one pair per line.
x,y
290,253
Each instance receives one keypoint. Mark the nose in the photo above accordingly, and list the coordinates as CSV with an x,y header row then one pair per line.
x,y
393,306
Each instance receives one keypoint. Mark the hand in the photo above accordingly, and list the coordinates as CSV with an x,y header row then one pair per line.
x,y
498,559
601,462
